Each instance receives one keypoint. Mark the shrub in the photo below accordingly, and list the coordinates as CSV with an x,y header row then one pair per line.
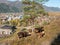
x,y
45,23
37,26
24,29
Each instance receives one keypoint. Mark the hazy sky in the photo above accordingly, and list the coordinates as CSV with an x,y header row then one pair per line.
x,y
51,3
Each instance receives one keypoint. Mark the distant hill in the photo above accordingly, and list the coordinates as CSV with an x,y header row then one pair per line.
x,y
17,3
51,9
3,1
4,8
8,6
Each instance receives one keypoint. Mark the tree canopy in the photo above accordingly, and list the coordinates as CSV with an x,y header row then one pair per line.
x,y
33,8
38,1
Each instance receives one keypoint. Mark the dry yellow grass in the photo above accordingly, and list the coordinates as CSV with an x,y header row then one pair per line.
x,y
54,13
51,32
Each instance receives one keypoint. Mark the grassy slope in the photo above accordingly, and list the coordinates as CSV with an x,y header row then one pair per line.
x,y
51,32
54,13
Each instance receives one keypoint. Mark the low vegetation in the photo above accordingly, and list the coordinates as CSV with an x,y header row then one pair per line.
x,y
51,30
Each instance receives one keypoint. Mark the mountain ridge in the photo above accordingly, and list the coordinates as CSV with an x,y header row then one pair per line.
x,y
18,4
51,9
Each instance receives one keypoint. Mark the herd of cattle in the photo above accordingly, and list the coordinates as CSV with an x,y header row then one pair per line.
x,y
39,31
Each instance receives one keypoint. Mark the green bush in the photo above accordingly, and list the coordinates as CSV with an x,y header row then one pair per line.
x,y
37,26
24,29
45,23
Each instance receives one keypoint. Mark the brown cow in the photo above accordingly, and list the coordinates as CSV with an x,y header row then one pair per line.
x,y
23,34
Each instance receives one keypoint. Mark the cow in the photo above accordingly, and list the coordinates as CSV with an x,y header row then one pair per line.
x,y
39,31
23,34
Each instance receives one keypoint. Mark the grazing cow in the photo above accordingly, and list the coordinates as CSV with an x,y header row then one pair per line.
x,y
23,34
40,31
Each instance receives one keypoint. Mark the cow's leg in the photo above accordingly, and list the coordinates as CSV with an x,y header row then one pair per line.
x,y
42,34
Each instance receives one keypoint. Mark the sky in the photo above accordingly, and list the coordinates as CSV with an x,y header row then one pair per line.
x,y
50,3
53,3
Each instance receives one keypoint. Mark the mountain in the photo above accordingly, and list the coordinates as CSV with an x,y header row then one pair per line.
x,y
16,6
4,8
51,9
3,1
12,3
9,6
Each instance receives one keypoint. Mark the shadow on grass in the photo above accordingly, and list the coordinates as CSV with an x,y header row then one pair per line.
x,y
56,41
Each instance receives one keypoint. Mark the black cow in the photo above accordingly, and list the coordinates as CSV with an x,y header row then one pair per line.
x,y
40,31
13,28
